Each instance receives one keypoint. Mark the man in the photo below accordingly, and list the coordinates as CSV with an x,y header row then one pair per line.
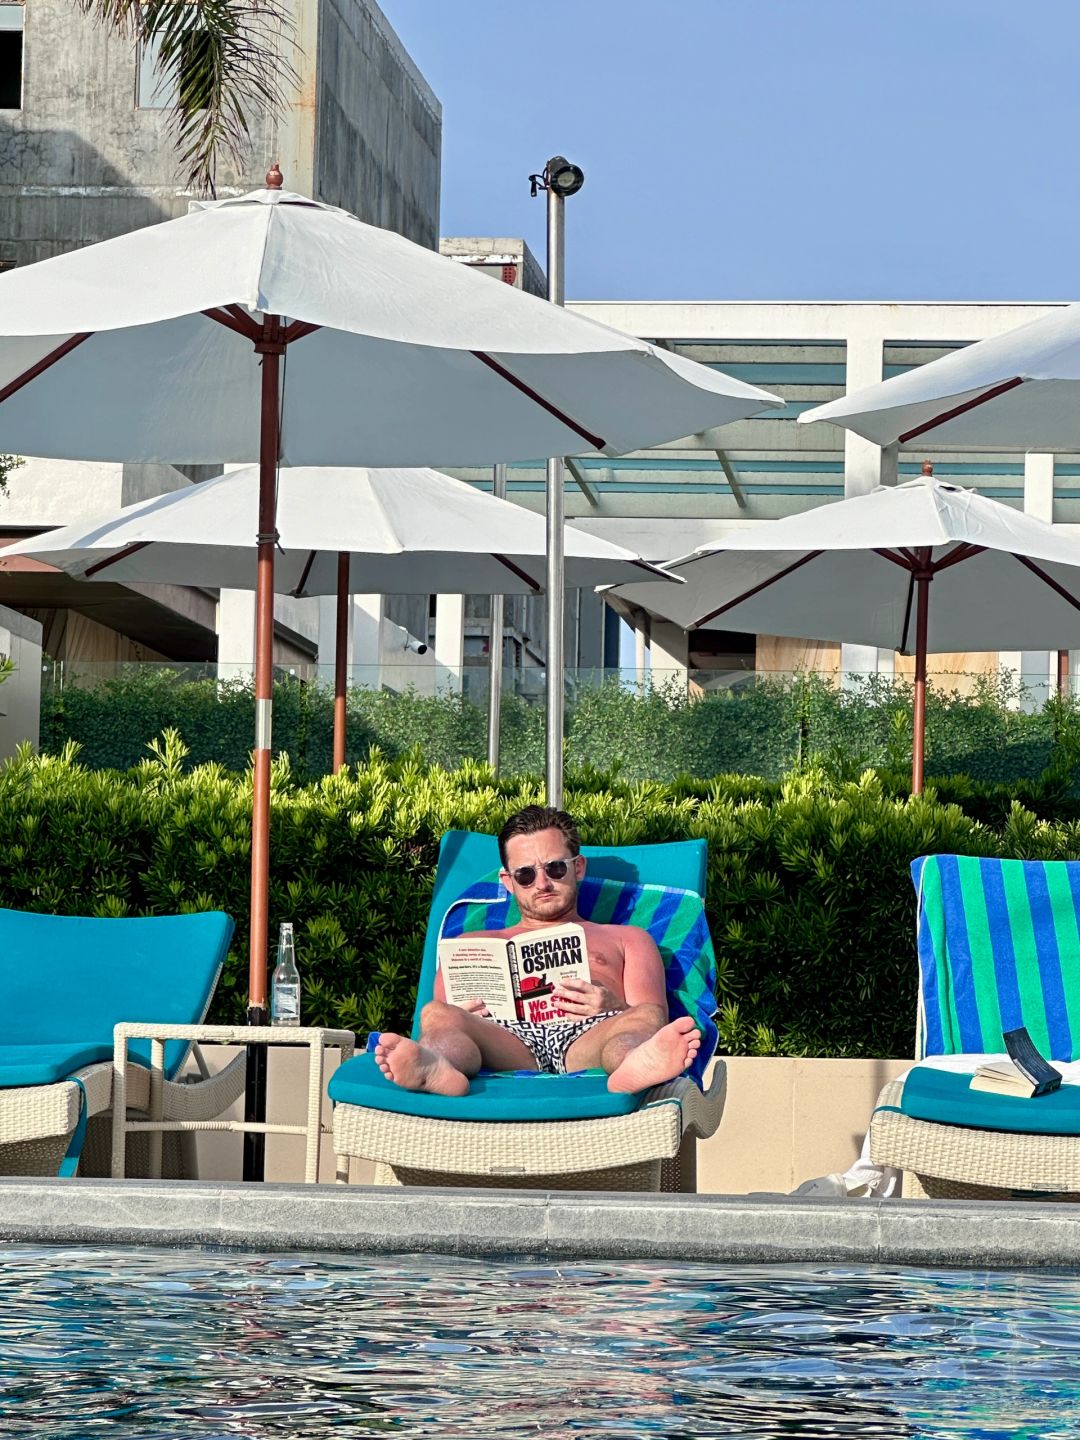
x,y
620,1017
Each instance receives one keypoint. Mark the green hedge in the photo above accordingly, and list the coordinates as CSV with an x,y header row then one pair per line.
x,y
765,729
808,896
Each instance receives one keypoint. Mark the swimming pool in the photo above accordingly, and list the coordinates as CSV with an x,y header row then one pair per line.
x,y
155,1343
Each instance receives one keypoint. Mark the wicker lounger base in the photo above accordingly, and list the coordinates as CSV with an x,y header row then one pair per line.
x,y
642,1151
952,1162
37,1123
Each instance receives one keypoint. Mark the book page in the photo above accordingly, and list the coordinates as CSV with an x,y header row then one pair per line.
x,y
476,968
544,957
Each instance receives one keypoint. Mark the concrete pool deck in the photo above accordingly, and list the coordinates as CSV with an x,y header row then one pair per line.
x,y
545,1224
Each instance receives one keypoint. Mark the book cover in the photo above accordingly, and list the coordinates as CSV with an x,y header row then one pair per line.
x,y
1026,1074
516,976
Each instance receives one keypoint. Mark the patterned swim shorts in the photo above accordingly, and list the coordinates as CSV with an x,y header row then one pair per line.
x,y
549,1043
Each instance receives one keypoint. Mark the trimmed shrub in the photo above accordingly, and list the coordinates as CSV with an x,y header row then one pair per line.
x,y
809,897
767,728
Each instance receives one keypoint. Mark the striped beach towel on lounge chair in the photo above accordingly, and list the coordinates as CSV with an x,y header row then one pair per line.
x,y
999,947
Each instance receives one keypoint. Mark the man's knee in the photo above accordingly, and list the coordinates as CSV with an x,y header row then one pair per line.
x,y
437,1015
643,1017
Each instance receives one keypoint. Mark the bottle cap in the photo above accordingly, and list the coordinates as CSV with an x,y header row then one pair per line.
x,y
286,927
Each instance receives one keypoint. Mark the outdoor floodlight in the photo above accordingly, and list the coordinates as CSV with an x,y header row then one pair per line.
x,y
562,177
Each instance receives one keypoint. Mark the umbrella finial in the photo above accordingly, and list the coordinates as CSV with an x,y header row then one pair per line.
x,y
274,177
928,467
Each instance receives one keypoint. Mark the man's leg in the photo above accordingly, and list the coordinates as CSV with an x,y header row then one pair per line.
x,y
638,1048
453,1046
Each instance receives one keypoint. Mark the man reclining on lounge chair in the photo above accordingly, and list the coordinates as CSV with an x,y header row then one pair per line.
x,y
621,1016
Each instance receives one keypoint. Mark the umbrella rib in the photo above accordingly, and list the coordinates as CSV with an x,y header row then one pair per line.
x,y
521,574
43,364
902,647
902,559
595,441
112,559
236,320
757,589
990,394
299,591
954,557
298,329
1048,580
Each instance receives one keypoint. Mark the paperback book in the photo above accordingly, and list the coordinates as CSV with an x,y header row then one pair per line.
x,y
515,977
1026,1073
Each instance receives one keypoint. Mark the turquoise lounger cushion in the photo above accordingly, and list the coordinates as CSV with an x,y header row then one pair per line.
x,y
946,1098
584,1096
70,978
45,1064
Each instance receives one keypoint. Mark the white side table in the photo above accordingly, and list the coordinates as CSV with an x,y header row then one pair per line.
x,y
316,1039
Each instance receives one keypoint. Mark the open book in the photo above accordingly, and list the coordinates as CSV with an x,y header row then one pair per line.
x,y
1026,1073
514,977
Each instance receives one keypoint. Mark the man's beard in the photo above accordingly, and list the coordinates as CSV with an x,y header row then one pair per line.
x,y
550,907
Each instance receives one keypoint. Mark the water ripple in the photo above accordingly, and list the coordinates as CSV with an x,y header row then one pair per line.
x,y
151,1345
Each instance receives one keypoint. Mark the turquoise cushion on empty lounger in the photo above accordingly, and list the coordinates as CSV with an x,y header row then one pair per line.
x,y
946,1097
583,1096
65,978
44,1064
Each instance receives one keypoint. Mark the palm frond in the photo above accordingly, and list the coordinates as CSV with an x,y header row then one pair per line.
x,y
226,61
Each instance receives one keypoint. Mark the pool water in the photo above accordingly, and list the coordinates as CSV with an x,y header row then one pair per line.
x,y
155,1343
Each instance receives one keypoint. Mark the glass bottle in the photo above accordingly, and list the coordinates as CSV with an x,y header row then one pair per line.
x,y
285,985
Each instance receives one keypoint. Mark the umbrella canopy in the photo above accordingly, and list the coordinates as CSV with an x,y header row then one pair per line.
x,y
404,531
274,328
401,356
919,567
1017,391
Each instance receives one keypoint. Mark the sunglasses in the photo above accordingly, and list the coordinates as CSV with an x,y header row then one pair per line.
x,y
525,875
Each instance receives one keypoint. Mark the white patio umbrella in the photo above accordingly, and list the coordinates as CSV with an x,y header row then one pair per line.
x,y
1017,391
862,570
274,328
390,531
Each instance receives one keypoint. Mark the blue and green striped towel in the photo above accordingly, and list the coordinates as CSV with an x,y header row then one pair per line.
x,y
999,947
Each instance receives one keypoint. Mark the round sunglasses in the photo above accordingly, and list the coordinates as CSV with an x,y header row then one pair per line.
x,y
525,875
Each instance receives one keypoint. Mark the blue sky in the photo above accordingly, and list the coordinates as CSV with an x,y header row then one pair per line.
x,y
769,149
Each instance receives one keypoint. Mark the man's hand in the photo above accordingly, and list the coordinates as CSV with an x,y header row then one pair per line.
x,y
476,1007
581,999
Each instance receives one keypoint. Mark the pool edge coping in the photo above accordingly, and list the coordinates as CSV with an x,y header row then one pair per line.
x,y
549,1224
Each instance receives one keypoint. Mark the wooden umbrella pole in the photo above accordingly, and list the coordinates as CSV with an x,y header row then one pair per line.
x,y
918,739
271,346
341,659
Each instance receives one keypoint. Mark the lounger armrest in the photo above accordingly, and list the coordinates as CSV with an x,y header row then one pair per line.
x,y
702,1112
199,1099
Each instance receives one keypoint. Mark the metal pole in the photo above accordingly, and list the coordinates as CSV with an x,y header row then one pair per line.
x,y
341,658
918,738
495,647
556,569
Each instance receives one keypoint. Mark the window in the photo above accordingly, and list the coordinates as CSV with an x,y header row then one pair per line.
x,y
156,90
11,56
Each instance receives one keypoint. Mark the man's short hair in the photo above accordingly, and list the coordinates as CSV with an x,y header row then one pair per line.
x,y
534,818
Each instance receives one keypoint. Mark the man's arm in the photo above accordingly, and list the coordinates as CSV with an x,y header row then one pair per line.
x,y
643,969
643,980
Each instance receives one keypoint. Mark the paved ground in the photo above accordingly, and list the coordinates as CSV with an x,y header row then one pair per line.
x,y
534,1223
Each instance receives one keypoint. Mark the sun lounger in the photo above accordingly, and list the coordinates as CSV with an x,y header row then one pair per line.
x,y
67,980
557,1132
999,948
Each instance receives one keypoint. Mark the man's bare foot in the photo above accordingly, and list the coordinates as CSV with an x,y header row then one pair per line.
x,y
661,1057
418,1067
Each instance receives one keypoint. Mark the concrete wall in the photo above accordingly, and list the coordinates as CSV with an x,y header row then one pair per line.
x,y
20,693
82,161
378,125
